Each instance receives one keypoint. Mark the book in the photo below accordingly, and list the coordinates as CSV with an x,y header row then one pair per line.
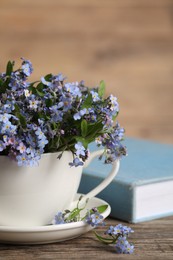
x,y
143,187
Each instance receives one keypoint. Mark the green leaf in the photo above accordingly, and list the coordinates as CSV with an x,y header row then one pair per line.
x,y
9,68
54,126
88,102
39,93
102,89
32,89
39,90
74,214
102,208
49,102
1,82
84,128
40,87
3,88
22,119
93,129
48,77
17,109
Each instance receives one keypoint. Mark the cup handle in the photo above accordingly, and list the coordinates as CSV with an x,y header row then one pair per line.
x,y
105,182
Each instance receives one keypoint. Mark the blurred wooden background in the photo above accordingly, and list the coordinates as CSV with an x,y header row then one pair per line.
x,y
127,43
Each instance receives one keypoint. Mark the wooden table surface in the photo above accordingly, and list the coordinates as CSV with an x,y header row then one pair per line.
x,y
153,240
127,43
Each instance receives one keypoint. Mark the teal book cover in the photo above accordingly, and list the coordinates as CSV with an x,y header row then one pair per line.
x,y
143,187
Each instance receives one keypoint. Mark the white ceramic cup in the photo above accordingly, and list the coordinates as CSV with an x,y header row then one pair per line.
x,y
31,196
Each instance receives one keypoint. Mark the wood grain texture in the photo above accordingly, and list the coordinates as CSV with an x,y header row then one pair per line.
x,y
153,241
127,43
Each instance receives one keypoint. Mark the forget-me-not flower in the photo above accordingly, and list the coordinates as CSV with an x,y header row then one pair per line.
x,y
79,114
76,162
27,68
95,96
80,150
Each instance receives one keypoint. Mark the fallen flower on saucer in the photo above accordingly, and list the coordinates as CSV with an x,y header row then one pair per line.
x,y
114,235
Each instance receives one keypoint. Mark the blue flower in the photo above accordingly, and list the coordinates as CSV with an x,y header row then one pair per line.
x,y
119,230
8,107
94,219
6,127
21,148
126,230
95,96
15,81
33,103
73,89
42,142
31,140
79,114
114,106
13,129
111,141
56,114
80,150
76,162
66,103
118,132
2,146
58,219
31,151
22,160
34,161
107,122
114,230
39,133
122,246
59,77
4,118
27,68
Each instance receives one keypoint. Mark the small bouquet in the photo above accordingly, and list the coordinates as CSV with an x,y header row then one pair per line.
x,y
52,115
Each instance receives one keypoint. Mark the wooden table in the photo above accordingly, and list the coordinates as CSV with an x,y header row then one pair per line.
x,y
127,43
153,241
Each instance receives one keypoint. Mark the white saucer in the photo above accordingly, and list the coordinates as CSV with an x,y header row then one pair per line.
x,y
50,233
